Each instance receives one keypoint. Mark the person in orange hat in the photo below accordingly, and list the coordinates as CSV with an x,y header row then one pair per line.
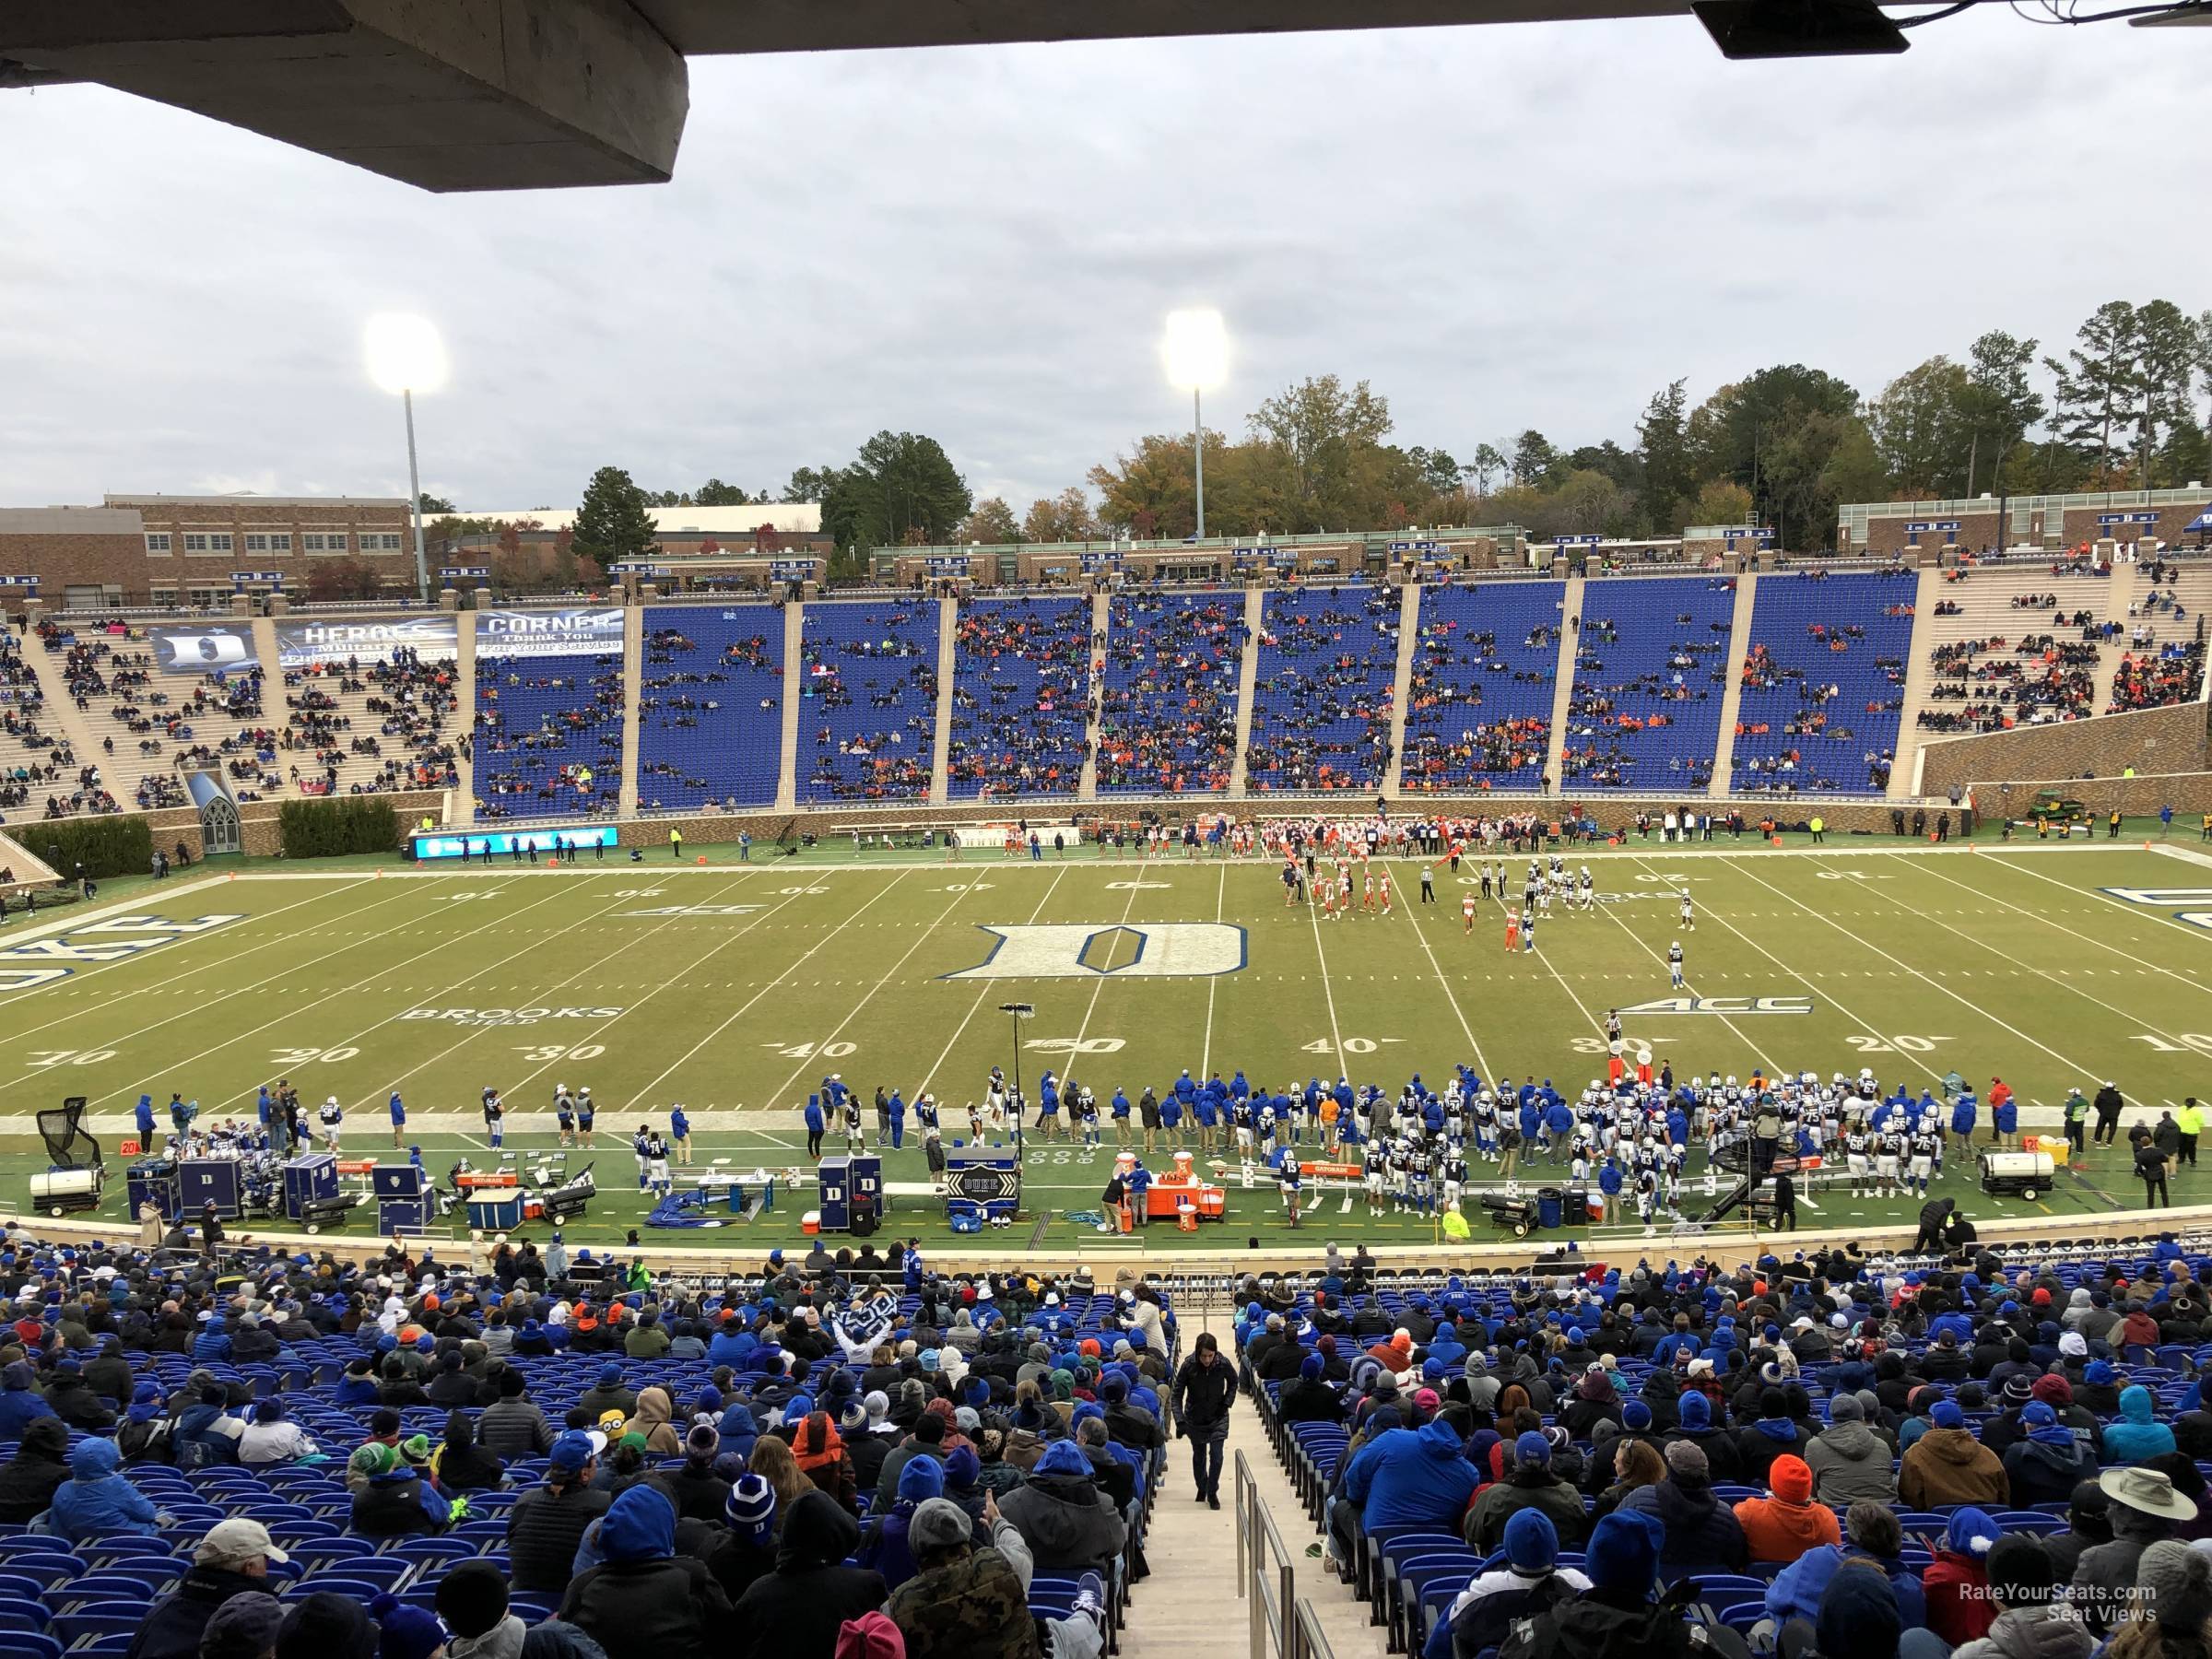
x,y
1784,1524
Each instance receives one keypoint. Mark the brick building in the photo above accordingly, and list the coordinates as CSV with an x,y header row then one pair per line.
x,y
2051,523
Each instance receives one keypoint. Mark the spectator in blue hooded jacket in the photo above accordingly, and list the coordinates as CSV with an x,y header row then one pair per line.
x,y
21,1402
884,1545
96,1501
1522,1580
643,1601
1407,1478
1871,1534
2137,1437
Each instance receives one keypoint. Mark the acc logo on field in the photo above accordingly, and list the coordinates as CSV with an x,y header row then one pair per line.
x,y
1083,950
1727,1006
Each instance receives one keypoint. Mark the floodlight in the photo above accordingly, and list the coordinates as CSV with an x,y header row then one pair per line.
x,y
405,354
1194,349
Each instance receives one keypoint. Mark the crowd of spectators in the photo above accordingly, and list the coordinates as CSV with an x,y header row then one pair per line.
x,y
1323,698
33,756
1168,721
870,680
1620,717
548,735
1477,713
729,707
1021,696
1998,682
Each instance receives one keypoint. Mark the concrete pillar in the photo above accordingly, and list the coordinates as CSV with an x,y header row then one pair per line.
x,y
1255,613
633,660
465,693
940,766
1101,610
795,681
1409,627
1554,753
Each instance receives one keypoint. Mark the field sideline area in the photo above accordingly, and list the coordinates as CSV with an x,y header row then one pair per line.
x,y
734,988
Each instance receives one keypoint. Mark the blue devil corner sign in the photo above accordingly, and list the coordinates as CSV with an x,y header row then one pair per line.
x,y
1127,950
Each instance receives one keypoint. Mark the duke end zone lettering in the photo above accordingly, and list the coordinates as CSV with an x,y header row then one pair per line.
x,y
38,962
1088,950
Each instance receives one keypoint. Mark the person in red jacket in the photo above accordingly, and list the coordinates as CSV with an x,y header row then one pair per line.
x,y
1784,1524
1957,1582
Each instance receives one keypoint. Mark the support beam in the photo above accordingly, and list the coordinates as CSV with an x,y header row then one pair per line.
x,y
457,95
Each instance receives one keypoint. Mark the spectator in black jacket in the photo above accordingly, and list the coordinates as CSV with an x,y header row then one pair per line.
x,y
1205,1389
232,1559
40,1464
547,1522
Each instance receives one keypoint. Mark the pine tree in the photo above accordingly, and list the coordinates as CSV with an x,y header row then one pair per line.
x,y
2099,381
612,524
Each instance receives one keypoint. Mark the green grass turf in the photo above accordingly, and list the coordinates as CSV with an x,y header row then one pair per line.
x,y
1989,962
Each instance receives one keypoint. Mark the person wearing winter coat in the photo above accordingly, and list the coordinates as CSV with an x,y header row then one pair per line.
x,y
2145,1508
967,1601
1770,1436
1872,1535
2047,1463
1069,1524
270,1438
883,1542
463,1465
821,1457
231,1560
29,1479
70,1399
20,1399
1785,1524
795,1612
472,1600
1529,1484
1307,1400
1848,1461
2033,1620
1957,1582
643,1601
1699,1530
1693,1417
1520,1580
1413,1478
1947,1465
2138,1436
652,1418
96,1500
513,1425
392,1500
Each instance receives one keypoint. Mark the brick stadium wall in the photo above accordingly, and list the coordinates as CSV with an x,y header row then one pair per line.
x,y
2162,741
62,562
1976,530
2081,523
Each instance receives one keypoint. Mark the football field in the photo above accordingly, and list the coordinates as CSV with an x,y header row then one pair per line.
x,y
735,988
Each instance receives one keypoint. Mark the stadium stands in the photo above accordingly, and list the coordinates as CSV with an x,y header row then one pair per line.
x,y
1651,665
1020,698
710,707
1322,702
35,759
2010,644
868,727
2164,661
549,734
1485,668
360,727
1824,682
97,668
1169,718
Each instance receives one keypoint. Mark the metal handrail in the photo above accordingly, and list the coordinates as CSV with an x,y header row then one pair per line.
x,y
1270,1609
1312,1643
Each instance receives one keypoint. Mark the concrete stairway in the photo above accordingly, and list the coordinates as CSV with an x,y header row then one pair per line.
x,y
1570,611
1256,611
464,805
795,682
1409,629
940,768
63,718
1087,786
633,656
1919,676
1732,695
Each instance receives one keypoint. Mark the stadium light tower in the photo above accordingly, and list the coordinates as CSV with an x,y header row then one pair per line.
x,y
406,356
1196,352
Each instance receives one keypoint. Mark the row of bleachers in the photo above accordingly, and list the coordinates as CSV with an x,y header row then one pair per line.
x,y
1021,691
1824,683
710,707
99,667
2164,631
364,726
36,761
1168,721
1322,700
869,723
1485,672
1649,671
2007,645
548,735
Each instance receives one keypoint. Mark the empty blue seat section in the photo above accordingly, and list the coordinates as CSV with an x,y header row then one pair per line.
x,y
1651,662
1824,682
1168,723
1486,669
1320,703
1020,697
710,707
868,721
548,739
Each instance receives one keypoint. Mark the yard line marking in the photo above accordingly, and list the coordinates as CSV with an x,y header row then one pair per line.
x,y
2136,911
2063,984
10,939
356,988
1335,1036
1650,876
921,938
2072,1066
975,1007
1435,967
1098,985
736,1013
1206,1050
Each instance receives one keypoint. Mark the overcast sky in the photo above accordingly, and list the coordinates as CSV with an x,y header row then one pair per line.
x,y
1497,227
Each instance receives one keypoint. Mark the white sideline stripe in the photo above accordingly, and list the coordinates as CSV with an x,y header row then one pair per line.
x,y
595,963
1213,981
746,1008
1097,987
2141,912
